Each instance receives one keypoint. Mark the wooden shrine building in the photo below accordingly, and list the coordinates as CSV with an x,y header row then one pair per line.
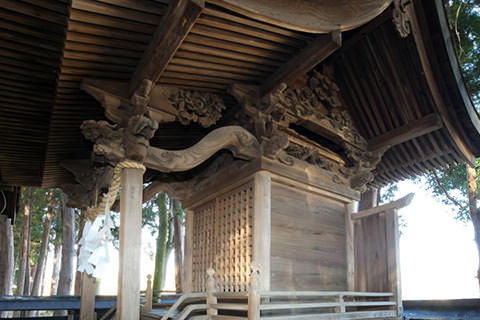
x,y
268,119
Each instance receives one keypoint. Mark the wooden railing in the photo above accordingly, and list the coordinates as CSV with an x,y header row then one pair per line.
x,y
279,305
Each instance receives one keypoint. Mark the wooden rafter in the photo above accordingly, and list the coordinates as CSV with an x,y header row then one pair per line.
x,y
407,132
459,144
320,49
168,37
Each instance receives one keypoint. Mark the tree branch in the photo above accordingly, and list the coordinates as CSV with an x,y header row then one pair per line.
x,y
449,197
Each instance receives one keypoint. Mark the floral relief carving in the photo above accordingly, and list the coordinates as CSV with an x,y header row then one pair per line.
x,y
204,108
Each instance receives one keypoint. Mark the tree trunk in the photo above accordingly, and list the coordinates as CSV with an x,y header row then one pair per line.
x,y
37,280
78,275
68,240
6,252
161,251
177,237
40,265
28,269
56,265
474,211
24,242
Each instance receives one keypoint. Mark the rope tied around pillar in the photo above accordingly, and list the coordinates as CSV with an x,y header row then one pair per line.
x,y
94,250
105,203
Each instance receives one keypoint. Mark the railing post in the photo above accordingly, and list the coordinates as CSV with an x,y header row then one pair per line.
x,y
211,290
341,300
148,294
254,293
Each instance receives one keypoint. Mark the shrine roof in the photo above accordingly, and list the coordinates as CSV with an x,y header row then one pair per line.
x,y
405,94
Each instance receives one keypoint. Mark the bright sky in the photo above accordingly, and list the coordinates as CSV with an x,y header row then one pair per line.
x,y
438,254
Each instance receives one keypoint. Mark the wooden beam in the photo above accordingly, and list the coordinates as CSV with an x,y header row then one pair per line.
x,y
393,258
111,94
239,141
169,35
87,298
398,204
412,130
317,51
128,301
262,225
188,255
350,246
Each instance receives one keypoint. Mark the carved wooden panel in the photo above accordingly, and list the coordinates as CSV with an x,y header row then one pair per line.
x,y
222,238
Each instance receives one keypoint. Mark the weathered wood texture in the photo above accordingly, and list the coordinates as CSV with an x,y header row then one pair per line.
x,y
307,59
308,241
87,299
103,40
377,265
130,244
262,217
169,35
188,257
6,252
222,237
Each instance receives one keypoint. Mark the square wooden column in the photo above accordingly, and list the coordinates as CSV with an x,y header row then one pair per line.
x,y
262,224
188,257
87,299
128,300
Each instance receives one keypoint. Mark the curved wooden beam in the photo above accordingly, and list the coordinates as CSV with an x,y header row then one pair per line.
x,y
239,141
313,16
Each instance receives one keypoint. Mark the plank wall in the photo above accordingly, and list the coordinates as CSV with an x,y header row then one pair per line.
x,y
308,241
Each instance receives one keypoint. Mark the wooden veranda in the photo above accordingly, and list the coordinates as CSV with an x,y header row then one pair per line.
x,y
268,119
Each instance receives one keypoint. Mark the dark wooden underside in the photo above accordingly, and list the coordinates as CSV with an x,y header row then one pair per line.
x,y
43,59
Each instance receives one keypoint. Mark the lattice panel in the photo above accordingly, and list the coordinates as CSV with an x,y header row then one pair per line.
x,y
222,238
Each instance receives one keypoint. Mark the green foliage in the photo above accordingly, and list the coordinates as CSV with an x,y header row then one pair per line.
x,y
451,188
388,193
464,18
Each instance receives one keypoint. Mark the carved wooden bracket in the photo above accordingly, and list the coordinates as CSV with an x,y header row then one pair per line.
x,y
401,18
91,180
115,143
161,103
239,141
317,107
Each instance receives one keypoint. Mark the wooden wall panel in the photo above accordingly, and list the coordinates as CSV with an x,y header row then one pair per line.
x,y
377,262
308,241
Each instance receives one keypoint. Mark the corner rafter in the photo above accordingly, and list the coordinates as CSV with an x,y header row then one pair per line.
x,y
317,51
169,35
412,130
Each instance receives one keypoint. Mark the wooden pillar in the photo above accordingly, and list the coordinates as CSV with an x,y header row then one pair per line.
x,y
369,199
187,277
87,299
262,227
128,300
393,257
350,249
254,298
